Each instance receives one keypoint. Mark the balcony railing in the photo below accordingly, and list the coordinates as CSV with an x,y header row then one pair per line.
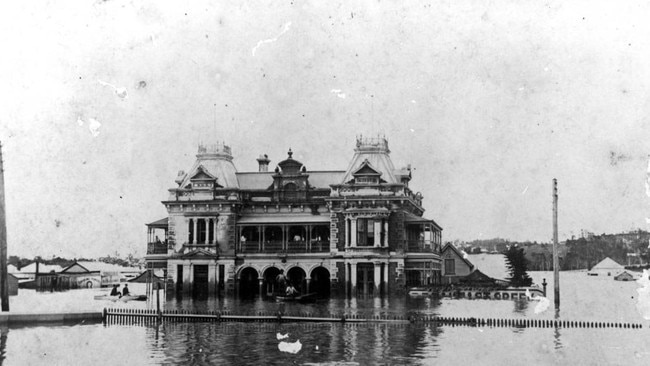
x,y
304,247
421,246
156,248
293,247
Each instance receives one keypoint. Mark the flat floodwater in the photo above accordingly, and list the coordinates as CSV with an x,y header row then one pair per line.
x,y
584,298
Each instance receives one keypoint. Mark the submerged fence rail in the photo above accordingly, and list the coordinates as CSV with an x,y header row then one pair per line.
x,y
152,315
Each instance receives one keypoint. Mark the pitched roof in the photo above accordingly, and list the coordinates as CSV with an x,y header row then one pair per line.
x,y
162,223
144,277
107,267
607,264
323,179
411,218
493,265
284,218
255,180
75,268
626,274
478,277
366,168
42,268
463,255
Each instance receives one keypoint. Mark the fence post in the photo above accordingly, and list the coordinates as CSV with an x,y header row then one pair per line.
x,y
158,301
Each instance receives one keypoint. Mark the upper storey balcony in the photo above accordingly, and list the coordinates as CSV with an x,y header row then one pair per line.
x,y
422,237
157,237
283,238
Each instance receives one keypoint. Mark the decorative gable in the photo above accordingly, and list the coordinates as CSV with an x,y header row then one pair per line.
x,y
290,181
367,174
75,268
203,180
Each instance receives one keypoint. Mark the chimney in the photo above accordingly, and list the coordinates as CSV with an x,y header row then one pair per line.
x,y
264,161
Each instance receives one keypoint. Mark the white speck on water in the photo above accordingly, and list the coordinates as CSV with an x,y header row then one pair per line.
x,y
280,336
294,347
542,302
93,126
338,93
643,300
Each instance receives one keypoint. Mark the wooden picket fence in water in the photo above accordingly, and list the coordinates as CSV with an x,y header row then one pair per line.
x,y
122,316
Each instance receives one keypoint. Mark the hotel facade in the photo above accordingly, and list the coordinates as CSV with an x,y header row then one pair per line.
x,y
358,231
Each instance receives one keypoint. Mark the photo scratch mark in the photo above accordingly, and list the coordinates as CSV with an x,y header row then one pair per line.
x,y
285,29
542,302
119,91
525,190
643,300
647,181
93,125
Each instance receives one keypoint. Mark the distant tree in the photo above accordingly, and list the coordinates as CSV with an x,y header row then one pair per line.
x,y
517,265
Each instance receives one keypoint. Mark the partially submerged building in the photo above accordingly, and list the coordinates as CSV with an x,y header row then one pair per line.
x,y
455,265
354,231
606,267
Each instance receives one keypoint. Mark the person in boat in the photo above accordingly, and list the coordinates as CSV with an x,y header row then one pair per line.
x,y
281,279
125,291
115,291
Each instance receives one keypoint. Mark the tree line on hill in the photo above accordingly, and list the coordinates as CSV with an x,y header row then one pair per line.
x,y
575,253
128,261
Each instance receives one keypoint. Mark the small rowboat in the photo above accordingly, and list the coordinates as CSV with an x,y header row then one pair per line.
x,y
310,297
122,298
420,291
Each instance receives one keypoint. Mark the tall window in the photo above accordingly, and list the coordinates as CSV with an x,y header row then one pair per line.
x,y
290,191
365,232
201,231
450,266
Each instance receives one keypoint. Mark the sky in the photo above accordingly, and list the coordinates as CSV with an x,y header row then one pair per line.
x,y
104,102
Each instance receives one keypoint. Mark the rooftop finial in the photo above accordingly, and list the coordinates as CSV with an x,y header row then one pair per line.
x,y
290,153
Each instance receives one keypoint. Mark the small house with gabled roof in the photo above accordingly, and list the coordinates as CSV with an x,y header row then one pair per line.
x,y
455,265
606,267
625,276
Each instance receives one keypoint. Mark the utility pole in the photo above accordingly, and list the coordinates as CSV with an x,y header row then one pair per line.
x,y
556,262
4,290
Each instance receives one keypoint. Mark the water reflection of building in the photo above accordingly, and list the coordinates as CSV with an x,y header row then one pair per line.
x,y
358,231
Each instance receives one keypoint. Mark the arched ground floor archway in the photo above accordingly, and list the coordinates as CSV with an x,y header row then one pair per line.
x,y
320,282
248,282
271,285
296,277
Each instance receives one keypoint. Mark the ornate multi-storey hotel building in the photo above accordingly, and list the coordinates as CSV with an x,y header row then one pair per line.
x,y
352,232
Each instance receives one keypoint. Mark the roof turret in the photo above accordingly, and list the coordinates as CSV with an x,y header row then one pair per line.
x,y
216,161
372,151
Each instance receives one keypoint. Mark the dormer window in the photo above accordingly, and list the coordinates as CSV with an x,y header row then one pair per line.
x,y
203,180
366,180
366,174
